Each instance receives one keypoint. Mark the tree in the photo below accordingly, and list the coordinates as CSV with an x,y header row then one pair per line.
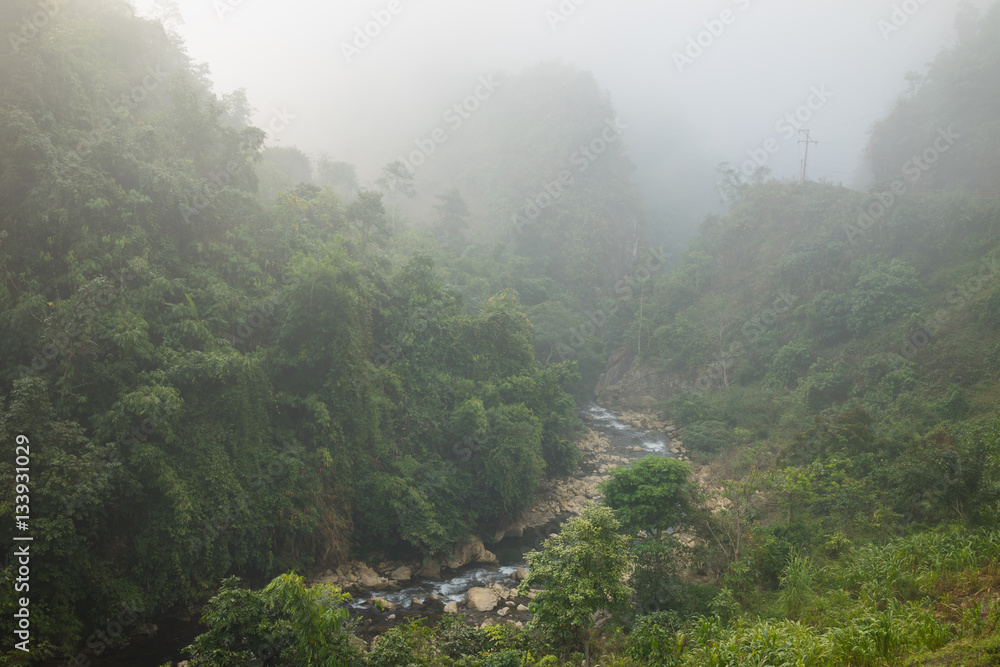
x,y
367,214
453,214
730,527
654,494
718,318
341,176
286,624
396,180
169,14
582,570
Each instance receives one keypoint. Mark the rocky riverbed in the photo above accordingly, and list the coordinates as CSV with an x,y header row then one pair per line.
x,y
472,579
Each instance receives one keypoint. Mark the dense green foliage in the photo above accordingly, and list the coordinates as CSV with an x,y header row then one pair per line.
x,y
285,624
652,495
581,571
229,360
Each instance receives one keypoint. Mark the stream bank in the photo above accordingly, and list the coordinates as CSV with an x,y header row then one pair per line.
x,y
485,575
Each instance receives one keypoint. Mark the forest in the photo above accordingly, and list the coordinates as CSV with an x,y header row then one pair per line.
x,y
237,366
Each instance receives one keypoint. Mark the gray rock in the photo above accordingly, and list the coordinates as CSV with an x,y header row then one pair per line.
x,y
369,579
430,569
470,552
481,599
401,574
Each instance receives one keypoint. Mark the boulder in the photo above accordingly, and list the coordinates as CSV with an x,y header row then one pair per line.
x,y
470,552
415,602
327,578
430,569
481,599
451,608
386,605
521,574
401,574
517,530
522,607
503,611
369,578
433,605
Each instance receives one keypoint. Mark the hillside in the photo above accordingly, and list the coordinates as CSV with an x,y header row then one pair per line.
x,y
234,365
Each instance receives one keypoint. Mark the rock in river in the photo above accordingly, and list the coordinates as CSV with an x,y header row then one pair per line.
x,y
481,599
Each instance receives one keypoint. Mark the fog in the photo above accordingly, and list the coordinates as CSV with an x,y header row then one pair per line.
x,y
696,83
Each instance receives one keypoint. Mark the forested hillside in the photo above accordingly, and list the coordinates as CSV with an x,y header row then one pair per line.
x,y
834,359
235,365
216,382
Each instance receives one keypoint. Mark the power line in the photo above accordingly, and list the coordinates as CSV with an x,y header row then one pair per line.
x,y
805,162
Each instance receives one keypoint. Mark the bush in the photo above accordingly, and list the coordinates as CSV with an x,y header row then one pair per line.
x,y
653,640
827,385
456,638
883,294
827,316
709,437
686,407
991,310
402,646
782,368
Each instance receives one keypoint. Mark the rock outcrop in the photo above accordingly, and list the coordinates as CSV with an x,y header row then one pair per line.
x,y
635,387
481,599
471,552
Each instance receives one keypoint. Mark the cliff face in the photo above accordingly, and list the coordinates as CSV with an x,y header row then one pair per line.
x,y
628,386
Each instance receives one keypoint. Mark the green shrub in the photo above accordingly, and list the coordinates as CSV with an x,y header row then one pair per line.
x,y
402,646
827,316
686,407
782,369
990,314
653,640
507,658
828,385
457,638
709,437
883,294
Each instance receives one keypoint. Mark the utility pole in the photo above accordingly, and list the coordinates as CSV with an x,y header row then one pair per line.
x,y
805,162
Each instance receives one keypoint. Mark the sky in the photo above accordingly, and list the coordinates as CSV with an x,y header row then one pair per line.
x,y
696,83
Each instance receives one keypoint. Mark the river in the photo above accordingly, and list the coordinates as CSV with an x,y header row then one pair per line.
x,y
626,442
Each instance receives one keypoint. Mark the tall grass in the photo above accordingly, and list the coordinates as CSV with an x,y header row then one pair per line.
x,y
884,612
